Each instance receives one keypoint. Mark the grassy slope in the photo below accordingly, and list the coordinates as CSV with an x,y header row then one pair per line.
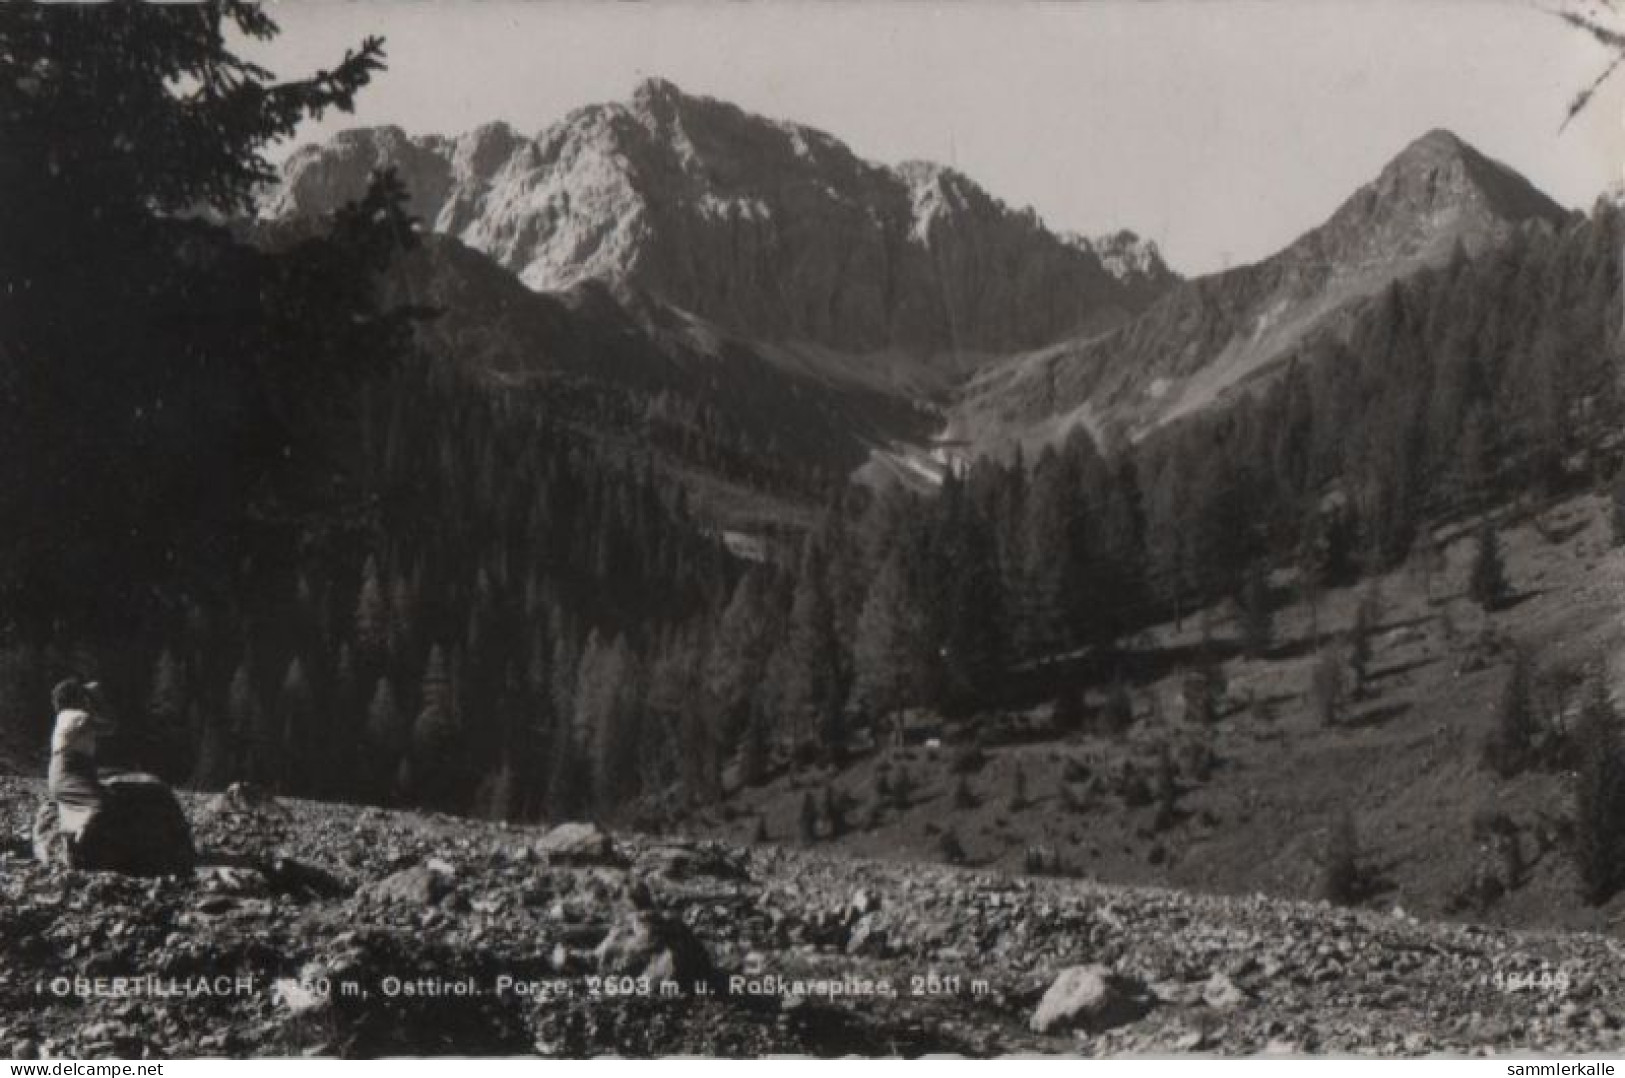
x,y
1406,762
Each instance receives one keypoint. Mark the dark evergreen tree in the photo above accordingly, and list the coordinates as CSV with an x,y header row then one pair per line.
x,y
1616,510
1067,715
1018,789
834,812
288,750
1118,714
1343,877
168,710
739,653
372,617
1165,790
1487,585
211,373
244,718
385,741
1367,617
1258,615
973,642
1053,559
1511,746
1203,690
1599,796
1329,688
807,820
436,746
814,650
888,657
753,757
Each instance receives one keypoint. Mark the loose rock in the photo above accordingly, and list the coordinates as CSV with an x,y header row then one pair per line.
x,y
578,844
1091,998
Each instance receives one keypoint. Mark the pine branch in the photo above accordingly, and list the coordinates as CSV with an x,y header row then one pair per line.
x,y
1610,39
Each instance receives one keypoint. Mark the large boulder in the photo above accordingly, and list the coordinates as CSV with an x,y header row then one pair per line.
x,y
578,844
419,885
140,830
1221,993
692,861
50,844
1091,998
245,799
303,881
644,944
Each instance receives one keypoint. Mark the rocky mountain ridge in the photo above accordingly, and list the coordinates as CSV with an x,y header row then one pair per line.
x,y
1207,337
910,285
768,228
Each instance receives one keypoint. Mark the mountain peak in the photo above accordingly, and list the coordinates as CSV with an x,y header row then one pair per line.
x,y
656,91
1435,144
1440,171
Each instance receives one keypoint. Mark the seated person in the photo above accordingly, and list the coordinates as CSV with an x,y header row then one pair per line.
x,y
73,782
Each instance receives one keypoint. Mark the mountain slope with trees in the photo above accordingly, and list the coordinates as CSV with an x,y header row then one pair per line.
x,y
1222,335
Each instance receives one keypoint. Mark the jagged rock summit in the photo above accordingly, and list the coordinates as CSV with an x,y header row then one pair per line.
x,y
1436,192
768,228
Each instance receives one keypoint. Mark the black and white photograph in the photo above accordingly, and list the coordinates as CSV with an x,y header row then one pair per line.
x,y
898,530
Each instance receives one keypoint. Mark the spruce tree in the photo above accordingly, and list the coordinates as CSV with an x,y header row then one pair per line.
x,y
888,664
296,727
1203,689
243,718
1118,714
208,364
1616,510
346,703
372,617
739,653
816,694
1599,796
213,768
974,647
1067,713
385,740
1053,557
1165,790
1367,616
1343,878
1258,615
605,710
1487,586
436,737
168,703
834,812
569,783
1511,745
807,820
753,752
1328,687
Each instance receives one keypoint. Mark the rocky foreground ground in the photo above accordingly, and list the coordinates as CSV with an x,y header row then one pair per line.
x,y
332,930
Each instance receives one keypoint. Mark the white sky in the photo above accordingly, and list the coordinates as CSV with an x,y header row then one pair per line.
x,y
1220,128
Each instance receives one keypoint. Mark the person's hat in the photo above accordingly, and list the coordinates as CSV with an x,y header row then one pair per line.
x,y
71,693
